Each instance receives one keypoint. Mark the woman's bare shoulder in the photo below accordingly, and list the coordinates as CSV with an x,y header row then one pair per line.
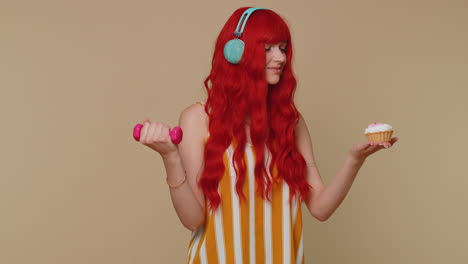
x,y
194,119
196,110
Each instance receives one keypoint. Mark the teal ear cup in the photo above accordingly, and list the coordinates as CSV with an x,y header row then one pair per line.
x,y
233,50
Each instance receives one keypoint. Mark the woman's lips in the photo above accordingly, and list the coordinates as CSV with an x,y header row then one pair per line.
x,y
274,69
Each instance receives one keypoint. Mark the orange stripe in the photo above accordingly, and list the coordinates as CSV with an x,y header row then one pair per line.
x,y
298,228
245,215
196,259
259,230
291,239
277,221
210,241
259,222
226,197
209,234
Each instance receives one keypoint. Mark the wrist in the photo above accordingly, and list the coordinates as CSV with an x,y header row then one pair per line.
x,y
170,156
355,161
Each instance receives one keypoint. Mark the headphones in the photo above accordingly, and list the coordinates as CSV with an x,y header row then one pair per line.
x,y
234,48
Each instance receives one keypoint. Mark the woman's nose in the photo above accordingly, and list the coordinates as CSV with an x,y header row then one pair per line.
x,y
279,55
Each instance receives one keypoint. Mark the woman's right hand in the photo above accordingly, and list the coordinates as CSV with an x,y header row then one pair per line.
x,y
155,135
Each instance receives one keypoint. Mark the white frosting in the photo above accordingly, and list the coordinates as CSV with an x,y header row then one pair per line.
x,y
373,128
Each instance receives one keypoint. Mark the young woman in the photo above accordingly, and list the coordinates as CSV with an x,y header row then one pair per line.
x,y
245,165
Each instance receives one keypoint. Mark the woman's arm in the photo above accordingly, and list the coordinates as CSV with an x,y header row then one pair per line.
x,y
323,201
186,160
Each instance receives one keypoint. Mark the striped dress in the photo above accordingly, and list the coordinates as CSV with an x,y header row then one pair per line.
x,y
254,231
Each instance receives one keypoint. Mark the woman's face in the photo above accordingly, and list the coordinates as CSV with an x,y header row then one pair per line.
x,y
275,61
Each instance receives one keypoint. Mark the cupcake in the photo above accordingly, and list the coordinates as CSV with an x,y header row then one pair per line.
x,y
379,132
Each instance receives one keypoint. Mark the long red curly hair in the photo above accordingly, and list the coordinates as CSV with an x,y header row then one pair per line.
x,y
238,93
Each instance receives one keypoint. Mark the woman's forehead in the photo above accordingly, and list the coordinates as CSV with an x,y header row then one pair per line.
x,y
281,43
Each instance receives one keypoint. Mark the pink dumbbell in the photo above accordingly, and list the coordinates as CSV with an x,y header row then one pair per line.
x,y
175,133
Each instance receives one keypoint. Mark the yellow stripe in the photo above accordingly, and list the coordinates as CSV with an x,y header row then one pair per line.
x,y
277,221
245,216
226,196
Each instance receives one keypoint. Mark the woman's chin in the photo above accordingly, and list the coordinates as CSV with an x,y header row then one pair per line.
x,y
273,82
273,79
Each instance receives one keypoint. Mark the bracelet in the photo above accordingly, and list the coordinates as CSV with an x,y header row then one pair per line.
x,y
178,185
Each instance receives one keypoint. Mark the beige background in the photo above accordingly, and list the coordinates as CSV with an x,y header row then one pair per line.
x,y
75,76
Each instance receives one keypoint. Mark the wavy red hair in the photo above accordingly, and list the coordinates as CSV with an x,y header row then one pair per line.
x,y
240,93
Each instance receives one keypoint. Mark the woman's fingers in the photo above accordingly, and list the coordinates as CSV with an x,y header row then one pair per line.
x,y
156,136
393,140
144,132
367,148
381,144
153,133
158,133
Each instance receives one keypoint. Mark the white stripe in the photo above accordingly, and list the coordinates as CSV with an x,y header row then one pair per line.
x,y
193,249
300,251
191,245
203,258
220,235
286,224
194,233
250,166
295,204
235,210
267,221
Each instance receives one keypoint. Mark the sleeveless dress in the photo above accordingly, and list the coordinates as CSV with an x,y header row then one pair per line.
x,y
254,231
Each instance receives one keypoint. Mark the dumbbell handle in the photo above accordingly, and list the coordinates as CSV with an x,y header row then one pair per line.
x,y
175,134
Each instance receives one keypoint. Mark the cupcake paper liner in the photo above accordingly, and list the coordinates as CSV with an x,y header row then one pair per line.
x,y
380,136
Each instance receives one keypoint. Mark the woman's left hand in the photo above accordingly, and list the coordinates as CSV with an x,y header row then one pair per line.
x,y
363,150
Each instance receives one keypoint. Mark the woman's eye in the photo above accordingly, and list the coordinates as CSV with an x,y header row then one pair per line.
x,y
282,49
